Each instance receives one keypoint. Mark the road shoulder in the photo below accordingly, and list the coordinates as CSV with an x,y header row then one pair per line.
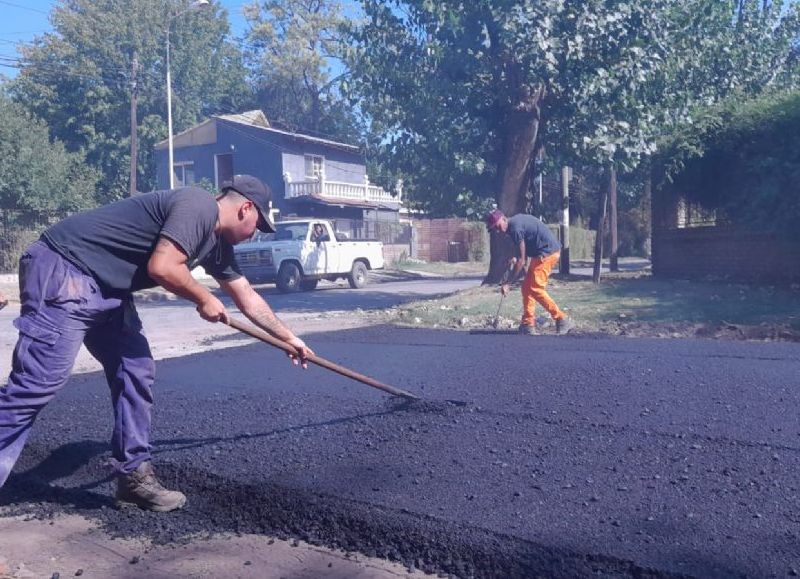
x,y
70,546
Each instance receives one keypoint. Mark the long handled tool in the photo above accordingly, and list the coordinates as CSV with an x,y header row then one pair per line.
x,y
318,360
496,320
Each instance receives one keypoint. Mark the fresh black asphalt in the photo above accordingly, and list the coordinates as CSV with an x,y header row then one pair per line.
x,y
576,456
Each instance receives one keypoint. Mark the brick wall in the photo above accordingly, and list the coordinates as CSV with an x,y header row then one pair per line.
x,y
432,238
392,252
725,252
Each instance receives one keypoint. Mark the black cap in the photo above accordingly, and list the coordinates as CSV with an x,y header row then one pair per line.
x,y
254,190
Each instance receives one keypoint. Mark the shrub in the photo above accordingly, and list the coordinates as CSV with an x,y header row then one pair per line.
x,y
742,160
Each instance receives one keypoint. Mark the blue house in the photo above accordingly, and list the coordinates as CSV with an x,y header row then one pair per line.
x,y
309,176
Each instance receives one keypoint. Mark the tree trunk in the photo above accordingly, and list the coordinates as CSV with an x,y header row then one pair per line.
x,y
647,202
601,222
514,176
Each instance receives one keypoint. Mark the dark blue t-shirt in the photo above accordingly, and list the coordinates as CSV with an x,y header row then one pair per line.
x,y
114,243
539,240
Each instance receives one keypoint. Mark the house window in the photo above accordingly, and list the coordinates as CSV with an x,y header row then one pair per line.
x,y
314,166
183,173
223,168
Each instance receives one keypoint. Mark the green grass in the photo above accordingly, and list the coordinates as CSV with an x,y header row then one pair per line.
x,y
629,304
445,269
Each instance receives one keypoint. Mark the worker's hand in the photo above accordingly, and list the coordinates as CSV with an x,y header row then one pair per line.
x,y
303,352
504,289
212,310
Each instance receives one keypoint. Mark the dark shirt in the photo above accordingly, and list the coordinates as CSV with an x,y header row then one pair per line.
x,y
539,240
114,243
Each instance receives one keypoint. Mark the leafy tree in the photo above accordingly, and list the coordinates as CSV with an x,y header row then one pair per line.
x,y
466,94
295,49
39,179
78,78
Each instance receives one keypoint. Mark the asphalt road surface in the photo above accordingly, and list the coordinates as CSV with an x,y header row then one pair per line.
x,y
175,329
555,457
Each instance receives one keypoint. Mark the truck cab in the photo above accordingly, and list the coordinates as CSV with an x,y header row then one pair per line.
x,y
302,252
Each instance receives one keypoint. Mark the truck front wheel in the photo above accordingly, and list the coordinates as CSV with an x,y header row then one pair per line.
x,y
289,277
358,275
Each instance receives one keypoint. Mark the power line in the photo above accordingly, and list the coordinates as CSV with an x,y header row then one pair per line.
x,y
17,32
55,70
23,7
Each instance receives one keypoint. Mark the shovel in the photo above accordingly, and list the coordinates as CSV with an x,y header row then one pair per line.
x,y
260,334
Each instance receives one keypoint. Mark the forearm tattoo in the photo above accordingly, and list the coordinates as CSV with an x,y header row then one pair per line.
x,y
267,320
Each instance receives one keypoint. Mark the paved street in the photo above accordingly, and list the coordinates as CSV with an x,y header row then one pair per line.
x,y
174,328
564,456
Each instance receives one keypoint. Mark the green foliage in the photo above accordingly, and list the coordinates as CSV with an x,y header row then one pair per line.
x,y
741,159
295,51
442,82
78,78
37,177
39,180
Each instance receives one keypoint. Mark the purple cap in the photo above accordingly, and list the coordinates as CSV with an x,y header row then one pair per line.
x,y
493,219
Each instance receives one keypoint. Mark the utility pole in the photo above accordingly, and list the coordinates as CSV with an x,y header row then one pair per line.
x,y
134,124
612,203
601,223
566,175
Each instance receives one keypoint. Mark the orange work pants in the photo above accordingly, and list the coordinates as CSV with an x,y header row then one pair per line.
x,y
533,289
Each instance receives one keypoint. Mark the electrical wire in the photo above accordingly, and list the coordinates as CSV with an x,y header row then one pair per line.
x,y
23,7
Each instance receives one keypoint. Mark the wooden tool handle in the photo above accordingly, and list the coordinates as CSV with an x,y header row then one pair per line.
x,y
260,334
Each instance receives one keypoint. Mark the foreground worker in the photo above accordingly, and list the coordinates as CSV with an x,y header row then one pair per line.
x,y
76,285
531,239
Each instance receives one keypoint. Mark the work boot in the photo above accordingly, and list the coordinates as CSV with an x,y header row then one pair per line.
x,y
564,325
527,330
141,488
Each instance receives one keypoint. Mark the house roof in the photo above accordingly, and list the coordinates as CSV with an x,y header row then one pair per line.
x,y
254,118
336,202
257,119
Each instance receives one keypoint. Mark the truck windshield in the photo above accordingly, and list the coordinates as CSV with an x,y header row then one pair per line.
x,y
284,232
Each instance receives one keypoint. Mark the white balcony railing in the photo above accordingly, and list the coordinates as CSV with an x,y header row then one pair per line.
x,y
339,190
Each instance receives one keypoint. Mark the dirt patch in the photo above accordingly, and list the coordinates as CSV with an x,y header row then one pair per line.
x,y
721,331
72,546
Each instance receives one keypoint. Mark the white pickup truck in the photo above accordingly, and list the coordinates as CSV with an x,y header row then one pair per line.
x,y
302,252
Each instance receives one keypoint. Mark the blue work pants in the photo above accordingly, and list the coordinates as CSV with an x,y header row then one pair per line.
x,y
62,308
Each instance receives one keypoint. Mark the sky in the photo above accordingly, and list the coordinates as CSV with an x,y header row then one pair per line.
x,y
22,20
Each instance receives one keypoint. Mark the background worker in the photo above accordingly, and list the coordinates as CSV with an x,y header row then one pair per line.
x,y
76,286
3,300
532,239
